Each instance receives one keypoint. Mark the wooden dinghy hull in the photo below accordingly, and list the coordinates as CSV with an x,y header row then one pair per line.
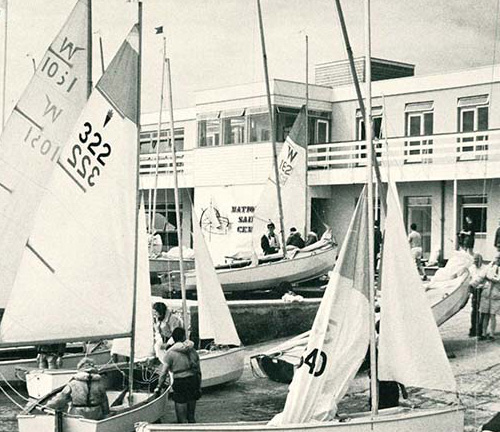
x,y
389,420
303,267
221,367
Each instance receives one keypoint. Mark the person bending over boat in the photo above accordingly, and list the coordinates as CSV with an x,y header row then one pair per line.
x,y
184,363
85,393
270,242
295,239
164,324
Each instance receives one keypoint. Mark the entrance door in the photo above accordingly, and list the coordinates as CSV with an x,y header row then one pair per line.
x,y
419,212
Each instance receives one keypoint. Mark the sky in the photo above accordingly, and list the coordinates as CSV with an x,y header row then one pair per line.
x,y
216,43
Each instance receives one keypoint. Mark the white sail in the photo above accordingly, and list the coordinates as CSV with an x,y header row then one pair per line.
x,y
410,347
144,317
292,178
78,264
214,318
35,135
339,338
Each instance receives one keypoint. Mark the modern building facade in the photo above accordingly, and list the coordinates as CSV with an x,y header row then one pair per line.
x,y
437,137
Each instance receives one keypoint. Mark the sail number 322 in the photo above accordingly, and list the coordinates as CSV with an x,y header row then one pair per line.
x,y
89,156
316,361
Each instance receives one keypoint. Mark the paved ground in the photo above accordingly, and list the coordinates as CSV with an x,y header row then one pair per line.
x,y
475,364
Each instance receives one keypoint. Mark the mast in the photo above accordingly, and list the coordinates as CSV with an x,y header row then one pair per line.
x,y
4,83
155,188
176,197
137,206
369,179
273,132
307,133
89,51
102,54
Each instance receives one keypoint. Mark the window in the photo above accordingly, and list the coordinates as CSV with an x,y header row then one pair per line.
x,y
209,126
377,114
149,140
473,121
476,207
419,122
285,117
322,133
418,210
233,126
258,121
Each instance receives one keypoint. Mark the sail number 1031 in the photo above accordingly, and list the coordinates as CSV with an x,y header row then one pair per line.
x,y
89,156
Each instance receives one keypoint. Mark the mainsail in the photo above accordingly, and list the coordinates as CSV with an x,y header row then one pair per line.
x,y
214,318
292,178
339,338
35,135
79,260
410,347
144,317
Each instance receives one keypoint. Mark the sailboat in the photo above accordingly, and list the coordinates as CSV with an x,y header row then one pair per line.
x,y
88,219
31,143
296,266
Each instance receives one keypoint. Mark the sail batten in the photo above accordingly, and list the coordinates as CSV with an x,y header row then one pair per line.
x,y
81,259
410,347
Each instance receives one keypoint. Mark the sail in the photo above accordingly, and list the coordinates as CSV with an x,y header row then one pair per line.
x,y
34,137
339,338
292,178
410,348
144,317
79,258
214,318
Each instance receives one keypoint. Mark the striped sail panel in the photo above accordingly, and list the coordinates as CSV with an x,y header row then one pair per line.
x,y
35,135
292,177
79,260
339,338
215,320
410,347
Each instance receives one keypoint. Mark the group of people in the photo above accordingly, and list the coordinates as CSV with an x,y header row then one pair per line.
x,y
270,242
85,393
485,289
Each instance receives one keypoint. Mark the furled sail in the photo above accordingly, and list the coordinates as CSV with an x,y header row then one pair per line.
x,y
339,338
78,262
409,339
35,135
214,318
292,178
144,317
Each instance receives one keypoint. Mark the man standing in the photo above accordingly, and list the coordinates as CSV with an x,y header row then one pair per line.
x,y
415,240
269,242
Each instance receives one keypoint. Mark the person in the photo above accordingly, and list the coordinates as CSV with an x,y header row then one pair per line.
x,y
155,244
184,363
269,242
164,322
295,239
497,237
490,300
85,393
50,355
467,235
311,238
478,281
415,240
377,239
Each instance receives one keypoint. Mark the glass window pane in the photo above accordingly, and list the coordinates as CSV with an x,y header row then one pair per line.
x,y
202,133
377,127
467,121
415,122
478,216
234,130
482,118
322,132
259,128
428,123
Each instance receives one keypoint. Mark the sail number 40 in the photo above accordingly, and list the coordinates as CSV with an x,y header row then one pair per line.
x,y
88,165
316,361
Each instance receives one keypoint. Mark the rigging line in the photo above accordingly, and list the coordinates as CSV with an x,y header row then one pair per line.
x,y
11,398
2,376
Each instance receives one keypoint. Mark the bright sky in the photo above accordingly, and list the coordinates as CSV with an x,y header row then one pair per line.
x,y
215,43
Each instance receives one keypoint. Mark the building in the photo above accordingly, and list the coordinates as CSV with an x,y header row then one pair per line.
x,y
439,142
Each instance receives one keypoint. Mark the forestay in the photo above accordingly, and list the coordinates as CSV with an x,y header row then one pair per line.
x,y
339,338
79,261
34,137
215,320
292,178
409,338
144,317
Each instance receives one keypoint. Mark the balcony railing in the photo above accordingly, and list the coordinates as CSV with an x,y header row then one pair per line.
x,y
165,163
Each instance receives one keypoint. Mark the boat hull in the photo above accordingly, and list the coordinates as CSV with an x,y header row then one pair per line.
x,y
167,265
221,367
303,267
123,419
390,420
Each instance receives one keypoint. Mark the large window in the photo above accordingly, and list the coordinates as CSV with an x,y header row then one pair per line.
x,y
258,124
473,121
149,140
377,114
285,117
233,126
418,210
209,126
419,125
476,207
